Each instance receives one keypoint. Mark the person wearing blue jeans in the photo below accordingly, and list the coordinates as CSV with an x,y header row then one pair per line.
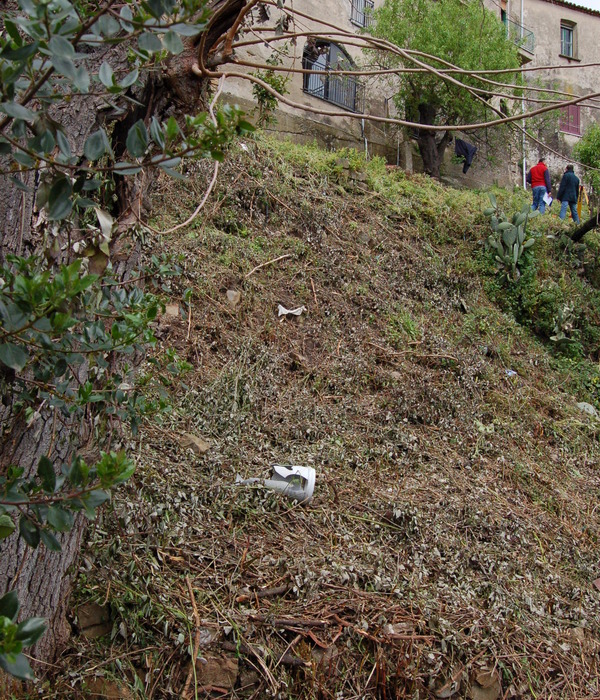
x,y
539,179
538,199
568,192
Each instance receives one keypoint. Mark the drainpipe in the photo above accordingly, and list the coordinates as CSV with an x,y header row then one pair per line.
x,y
522,18
523,110
524,158
386,102
362,126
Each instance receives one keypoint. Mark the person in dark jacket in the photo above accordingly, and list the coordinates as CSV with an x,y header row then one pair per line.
x,y
568,192
539,179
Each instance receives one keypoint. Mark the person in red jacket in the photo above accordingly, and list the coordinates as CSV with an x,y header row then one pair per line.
x,y
539,179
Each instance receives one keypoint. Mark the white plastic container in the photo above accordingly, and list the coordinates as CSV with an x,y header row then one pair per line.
x,y
295,482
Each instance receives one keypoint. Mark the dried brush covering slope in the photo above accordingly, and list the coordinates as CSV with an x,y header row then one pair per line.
x,y
451,547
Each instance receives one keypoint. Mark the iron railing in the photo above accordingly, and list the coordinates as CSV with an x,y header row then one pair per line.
x,y
341,90
361,12
518,34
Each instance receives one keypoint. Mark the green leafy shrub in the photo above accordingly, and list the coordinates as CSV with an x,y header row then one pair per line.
x,y
587,151
15,637
266,101
537,303
69,330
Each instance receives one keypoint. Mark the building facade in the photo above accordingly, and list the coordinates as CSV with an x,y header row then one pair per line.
x,y
548,33
558,40
321,91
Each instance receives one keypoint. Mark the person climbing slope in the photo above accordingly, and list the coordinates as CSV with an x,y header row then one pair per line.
x,y
568,193
539,179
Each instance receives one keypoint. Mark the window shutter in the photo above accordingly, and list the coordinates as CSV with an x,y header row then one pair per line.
x,y
576,115
570,120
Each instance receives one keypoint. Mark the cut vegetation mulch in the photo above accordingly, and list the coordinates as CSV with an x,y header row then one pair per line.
x,y
451,547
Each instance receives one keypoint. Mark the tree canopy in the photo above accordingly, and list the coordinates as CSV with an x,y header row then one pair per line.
x,y
463,33
587,151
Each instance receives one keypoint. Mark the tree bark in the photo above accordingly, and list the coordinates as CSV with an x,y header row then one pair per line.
x,y
41,578
431,150
590,224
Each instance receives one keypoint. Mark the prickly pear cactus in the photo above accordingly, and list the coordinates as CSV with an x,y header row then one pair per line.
x,y
564,326
508,239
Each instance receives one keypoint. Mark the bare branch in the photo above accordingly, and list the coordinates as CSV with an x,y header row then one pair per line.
x,y
213,179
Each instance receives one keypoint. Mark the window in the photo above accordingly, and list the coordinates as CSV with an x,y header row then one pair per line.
x,y
342,90
567,38
360,13
570,121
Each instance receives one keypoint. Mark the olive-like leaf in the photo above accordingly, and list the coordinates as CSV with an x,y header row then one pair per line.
x,y
95,145
50,541
173,43
106,75
9,605
29,532
7,526
59,518
29,631
59,199
13,356
17,111
18,666
46,474
137,139
149,42
59,46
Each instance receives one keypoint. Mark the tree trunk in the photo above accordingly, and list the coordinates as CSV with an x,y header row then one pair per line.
x,y
429,153
590,224
431,150
41,578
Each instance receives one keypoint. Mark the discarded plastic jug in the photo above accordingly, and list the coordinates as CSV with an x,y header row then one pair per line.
x,y
297,483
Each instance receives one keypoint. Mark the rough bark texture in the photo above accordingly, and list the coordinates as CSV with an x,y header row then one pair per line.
x,y
42,578
431,150
225,13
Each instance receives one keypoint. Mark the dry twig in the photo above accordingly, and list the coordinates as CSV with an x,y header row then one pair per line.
x,y
192,671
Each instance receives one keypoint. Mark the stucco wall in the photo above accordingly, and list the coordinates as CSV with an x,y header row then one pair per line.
x,y
571,76
545,18
302,125
497,158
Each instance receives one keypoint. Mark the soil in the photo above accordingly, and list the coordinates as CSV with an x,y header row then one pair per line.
x,y
451,546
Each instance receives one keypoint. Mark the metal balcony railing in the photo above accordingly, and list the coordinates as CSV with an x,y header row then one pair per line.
x,y
341,90
522,37
361,12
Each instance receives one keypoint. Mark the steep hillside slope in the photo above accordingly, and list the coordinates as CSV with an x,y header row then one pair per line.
x,y
451,547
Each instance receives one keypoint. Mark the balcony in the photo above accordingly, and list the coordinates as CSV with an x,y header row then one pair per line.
x,y
342,90
518,34
361,12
